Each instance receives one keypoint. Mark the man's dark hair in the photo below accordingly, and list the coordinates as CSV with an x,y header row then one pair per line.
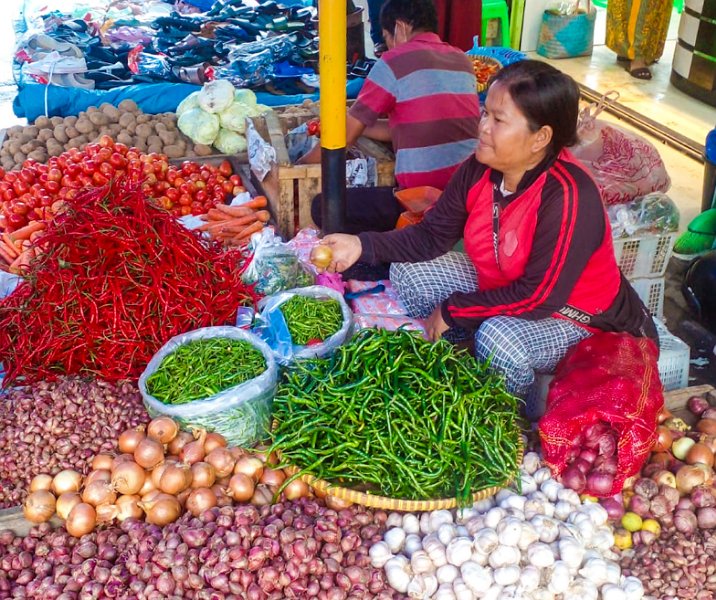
x,y
420,14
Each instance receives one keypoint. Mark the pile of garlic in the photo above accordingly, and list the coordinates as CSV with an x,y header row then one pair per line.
x,y
544,544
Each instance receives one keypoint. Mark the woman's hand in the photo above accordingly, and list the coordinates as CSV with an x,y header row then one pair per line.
x,y
435,325
346,250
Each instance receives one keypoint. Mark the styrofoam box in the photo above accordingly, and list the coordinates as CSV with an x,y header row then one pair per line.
x,y
644,255
651,292
674,358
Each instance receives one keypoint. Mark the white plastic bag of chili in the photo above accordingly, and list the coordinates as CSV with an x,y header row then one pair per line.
x,y
240,413
273,328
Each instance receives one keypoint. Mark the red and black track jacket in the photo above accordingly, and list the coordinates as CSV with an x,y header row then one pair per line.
x,y
544,251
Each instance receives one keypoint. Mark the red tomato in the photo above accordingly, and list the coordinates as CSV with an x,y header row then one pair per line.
x,y
99,179
106,142
92,149
185,200
165,202
185,210
228,187
173,194
2,172
20,186
106,169
104,154
89,166
225,168
20,208
27,175
197,208
11,177
200,185
53,175
121,148
201,196
52,186
9,195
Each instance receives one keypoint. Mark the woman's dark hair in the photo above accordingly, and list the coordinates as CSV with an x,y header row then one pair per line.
x,y
420,14
545,96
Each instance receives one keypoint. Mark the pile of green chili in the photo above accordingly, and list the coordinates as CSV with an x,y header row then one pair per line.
x,y
202,368
392,414
311,319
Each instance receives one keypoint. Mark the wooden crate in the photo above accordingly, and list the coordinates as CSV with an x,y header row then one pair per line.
x,y
676,401
290,188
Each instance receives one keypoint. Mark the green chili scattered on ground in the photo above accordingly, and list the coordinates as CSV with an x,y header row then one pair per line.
x,y
393,414
202,368
311,319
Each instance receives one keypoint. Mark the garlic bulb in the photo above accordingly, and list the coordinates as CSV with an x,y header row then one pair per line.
x,y
396,572
413,542
484,505
446,532
503,494
435,549
614,573
509,531
475,524
511,592
394,520
420,562
461,591
612,592
394,538
445,592
420,588
534,507
569,495
528,536
465,514
447,574
504,556
507,575
529,484
425,523
571,552
540,555
603,537
458,551
476,578
494,516
516,513
529,579
531,462
379,554
547,528
486,540
558,578
411,523
562,510
581,589
542,475
479,558
596,512
551,488
633,588
461,531
595,570
494,593
438,517
514,502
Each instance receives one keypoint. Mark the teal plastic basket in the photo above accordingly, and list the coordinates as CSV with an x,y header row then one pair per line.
x,y
566,36
505,56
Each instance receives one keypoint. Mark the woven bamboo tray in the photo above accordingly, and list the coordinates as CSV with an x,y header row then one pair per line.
x,y
396,504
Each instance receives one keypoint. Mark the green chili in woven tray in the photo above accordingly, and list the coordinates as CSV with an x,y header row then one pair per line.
x,y
311,319
203,368
393,414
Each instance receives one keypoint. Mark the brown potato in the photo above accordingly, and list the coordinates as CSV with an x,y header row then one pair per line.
x,y
128,106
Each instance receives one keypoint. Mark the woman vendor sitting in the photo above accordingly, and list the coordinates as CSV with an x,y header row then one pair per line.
x,y
539,273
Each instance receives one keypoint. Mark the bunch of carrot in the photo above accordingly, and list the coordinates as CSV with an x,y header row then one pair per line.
x,y
234,225
17,249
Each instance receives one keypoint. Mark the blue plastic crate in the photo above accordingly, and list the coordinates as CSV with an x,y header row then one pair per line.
x,y
505,56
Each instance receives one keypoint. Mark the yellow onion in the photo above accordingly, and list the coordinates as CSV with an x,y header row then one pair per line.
x,y
194,451
149,453
129,439
162,510
700,453
222,496
214,440
681,447
335,503
128,507
321,256
241,487
41,482
262,495
222,461
128,478
199,500
163,429
273,478
688,477
81,520
707,426
98,492
175,478
100,475
121,458
39,506
66,481
106,512
102,462
203,475
157,473
66,502
296,489
182,439
251,466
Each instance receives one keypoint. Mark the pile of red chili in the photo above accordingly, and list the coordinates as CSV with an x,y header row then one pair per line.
x,y
116,278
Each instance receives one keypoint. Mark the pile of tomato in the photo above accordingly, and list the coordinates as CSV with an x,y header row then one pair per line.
x,y
36,192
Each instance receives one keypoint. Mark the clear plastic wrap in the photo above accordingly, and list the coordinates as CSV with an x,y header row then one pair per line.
x,y
271,325
653,213
274,265
241,414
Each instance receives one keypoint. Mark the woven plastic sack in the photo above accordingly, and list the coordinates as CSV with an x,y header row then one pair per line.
x,y
566,36
272,328
610,377
241,414
624,165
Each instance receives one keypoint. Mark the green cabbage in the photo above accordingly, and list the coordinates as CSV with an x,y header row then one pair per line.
x,y
229,142
234,117
245,96
199,125
216,96
191,101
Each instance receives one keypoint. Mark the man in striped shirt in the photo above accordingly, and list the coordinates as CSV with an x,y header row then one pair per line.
x,y
426,89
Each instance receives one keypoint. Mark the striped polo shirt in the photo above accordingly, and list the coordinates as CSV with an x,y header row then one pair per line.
x,y
426,88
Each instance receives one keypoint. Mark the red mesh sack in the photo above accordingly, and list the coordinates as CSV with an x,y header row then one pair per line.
x,y
608,377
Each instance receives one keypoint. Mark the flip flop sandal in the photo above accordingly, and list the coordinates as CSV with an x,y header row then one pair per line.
x,y
642,73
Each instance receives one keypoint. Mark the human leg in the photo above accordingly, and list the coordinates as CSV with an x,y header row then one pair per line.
x,y
376,33
518,347
424,285
367,209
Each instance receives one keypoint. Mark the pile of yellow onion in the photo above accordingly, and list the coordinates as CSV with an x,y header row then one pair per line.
x,y
159,473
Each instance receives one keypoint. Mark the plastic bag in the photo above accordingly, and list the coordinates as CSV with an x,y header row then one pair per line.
x,y
241,414
8,283
654,213
274,266
624,164
610,377
272,327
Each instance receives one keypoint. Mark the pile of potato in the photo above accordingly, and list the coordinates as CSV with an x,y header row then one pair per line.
x,y
125,123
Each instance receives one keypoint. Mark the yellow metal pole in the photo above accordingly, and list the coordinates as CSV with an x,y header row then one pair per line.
x,y
332,69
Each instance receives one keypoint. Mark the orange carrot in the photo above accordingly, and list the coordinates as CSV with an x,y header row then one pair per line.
x,y
237,211
238,223
25,232
22,261
8,246
6,256
248,232
263,215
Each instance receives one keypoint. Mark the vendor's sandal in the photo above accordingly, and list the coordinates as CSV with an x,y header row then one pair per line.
x,y
640,73
623,59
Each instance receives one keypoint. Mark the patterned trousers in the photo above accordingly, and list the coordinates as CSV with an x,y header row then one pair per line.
x,y
516,347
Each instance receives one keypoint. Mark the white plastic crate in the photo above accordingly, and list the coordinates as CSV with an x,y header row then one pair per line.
x,y
644,255
674,358
651,292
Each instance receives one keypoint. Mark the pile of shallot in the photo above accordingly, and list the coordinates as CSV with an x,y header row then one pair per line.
x,y
160,473
60,425
291,550
592,462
